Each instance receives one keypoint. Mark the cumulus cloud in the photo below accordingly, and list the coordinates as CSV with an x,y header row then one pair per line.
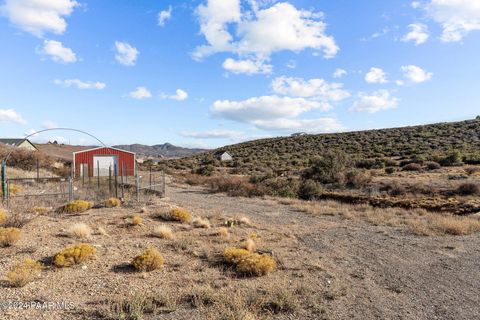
x,y
10,115
164,15
377,101
57,52
80,84
179,95
457,17
314,89
376,75
247,66
339,73
140,93
126,54
416,74
418,33
213,134
255,32
39,16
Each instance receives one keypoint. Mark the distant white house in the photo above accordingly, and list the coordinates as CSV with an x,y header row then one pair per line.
x,y
224,156
19,143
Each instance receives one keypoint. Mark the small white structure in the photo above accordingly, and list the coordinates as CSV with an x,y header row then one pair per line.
x,y
224,156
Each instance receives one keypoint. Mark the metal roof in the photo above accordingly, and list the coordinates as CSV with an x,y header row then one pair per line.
x,y
121,150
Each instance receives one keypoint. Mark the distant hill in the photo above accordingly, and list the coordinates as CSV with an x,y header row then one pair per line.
x,y
295,152
166,150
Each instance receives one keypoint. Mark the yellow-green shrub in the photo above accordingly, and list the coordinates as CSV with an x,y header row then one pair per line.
x,y
150,260
40,210
112,202
3,217
256,264
9,236
74,255
247,263
180,215
136,220
234,255
76,206
24,272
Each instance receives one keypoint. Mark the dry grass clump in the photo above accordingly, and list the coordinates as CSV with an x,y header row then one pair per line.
x,y
3,217
18,219
248,263
201,223
101,231
76,206
15,189
249,245
24,272
112,203
245,221
163,232
150,260
179,215
444,224
40,210
223,232
136,220
74,255
9,236
80,230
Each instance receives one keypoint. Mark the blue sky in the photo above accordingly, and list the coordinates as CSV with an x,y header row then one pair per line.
x,y
210,73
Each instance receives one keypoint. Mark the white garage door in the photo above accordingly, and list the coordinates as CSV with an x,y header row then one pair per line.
x,y
104,163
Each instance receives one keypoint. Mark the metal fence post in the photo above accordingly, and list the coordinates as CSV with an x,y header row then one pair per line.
x,y
115,173
4,180
110,180
70,189
98,174
137,182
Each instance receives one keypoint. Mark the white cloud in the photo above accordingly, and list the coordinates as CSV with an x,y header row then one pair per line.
x,y
256,31
376,75
164,15
39,16
339,73
314,89
263,108
80,84
140,93
179,95
10,115
379,100
57,52
416,4
416,74
247,66
457,17
418,33
126,54
213,134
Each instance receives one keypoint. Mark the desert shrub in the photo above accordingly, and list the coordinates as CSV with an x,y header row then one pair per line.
x,y
412,167
74,255
40,210
472,170
27,160
136,220
328,169
179,215
394,189
18,220
223,232
370,164
468,189
3,217
432,165
280,187
256,264
112,202
390,163
235,186
309,190
205,170
80,230
454,158
15,189
389,170
24,272
131,308
201,223
9,236
76,206
249,245
149,260
357,179
472,158
163,232
234,255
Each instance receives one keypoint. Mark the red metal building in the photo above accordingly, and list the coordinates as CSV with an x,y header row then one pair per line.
x,y
103,161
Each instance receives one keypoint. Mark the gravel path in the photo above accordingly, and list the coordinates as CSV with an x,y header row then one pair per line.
x,y
375,272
